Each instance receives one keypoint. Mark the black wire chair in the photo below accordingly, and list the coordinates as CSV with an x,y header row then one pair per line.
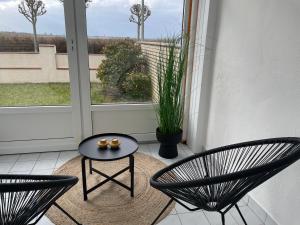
x,y
216,180
24,199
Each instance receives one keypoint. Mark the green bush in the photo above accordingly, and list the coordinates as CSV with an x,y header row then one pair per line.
x,y
123,58
137,85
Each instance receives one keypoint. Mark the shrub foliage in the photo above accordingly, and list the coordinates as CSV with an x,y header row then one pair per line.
x,y
125,71
137,85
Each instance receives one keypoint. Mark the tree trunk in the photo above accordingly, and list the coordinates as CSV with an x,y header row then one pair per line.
x,y
138,32
142,21
138,29
35,44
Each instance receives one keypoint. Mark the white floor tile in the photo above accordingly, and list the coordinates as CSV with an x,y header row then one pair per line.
x,y
28,157
257,210
20,172
8,158
153,149
42,172
242,202
5,167
67,155
181,154
183,146
45,221
180,209
215,218
170,220
173,212
270,221
23,166
45,164
59,163
194,218
168,161
186,150
144,149
249,216
48,156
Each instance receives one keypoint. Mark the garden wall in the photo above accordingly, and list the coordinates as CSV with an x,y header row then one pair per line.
x,y
47,66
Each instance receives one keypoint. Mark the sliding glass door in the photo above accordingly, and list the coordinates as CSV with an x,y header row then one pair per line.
x,y
122,62
39,107
79,68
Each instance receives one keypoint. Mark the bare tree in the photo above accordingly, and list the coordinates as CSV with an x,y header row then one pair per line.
x,y
31,9
136,17
87,2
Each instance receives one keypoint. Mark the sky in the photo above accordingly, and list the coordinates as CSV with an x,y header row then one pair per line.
x,y
104,18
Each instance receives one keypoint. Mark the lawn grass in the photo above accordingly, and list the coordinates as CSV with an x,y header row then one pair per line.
x,y
32,94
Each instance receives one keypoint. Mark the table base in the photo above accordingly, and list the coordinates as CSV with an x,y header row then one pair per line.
x,y
108,178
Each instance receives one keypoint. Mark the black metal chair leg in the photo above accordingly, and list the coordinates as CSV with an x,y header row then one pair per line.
x,y
164,209
66,213
90,166
131,165
84,187
239,211
223,218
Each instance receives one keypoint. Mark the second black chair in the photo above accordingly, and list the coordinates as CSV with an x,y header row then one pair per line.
x,y
216,180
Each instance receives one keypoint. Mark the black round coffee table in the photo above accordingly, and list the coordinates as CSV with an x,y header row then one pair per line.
x,y
89,149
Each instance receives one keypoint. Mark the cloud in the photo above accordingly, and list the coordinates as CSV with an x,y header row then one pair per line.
x,y
7,4
168,5
12,4
52,3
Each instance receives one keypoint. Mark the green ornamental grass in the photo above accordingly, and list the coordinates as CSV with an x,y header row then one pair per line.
x,y
170,73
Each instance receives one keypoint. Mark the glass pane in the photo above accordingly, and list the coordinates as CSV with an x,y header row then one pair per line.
x,y
34,70
122,68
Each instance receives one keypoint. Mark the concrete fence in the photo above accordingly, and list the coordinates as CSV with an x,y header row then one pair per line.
x,y
44,67
48,66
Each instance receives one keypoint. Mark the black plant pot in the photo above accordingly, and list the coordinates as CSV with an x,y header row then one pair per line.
x,y
168,144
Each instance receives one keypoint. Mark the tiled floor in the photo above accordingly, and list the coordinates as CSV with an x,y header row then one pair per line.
x,y
46,163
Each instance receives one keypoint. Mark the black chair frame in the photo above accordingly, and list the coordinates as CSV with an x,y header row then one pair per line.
x,y
26,198
246,166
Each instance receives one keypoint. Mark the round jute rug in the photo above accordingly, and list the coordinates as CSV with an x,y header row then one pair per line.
x,y
111,204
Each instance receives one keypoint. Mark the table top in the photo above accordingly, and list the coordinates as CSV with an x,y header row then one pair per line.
x,y
89,148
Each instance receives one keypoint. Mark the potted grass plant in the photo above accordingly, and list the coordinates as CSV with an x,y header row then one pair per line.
x,y
169,111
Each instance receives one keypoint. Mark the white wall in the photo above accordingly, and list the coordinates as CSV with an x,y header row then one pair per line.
x,y
138,120
256,88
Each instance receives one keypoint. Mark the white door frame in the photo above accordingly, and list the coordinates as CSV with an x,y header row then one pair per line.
x,y
72,57
79,128
83,67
